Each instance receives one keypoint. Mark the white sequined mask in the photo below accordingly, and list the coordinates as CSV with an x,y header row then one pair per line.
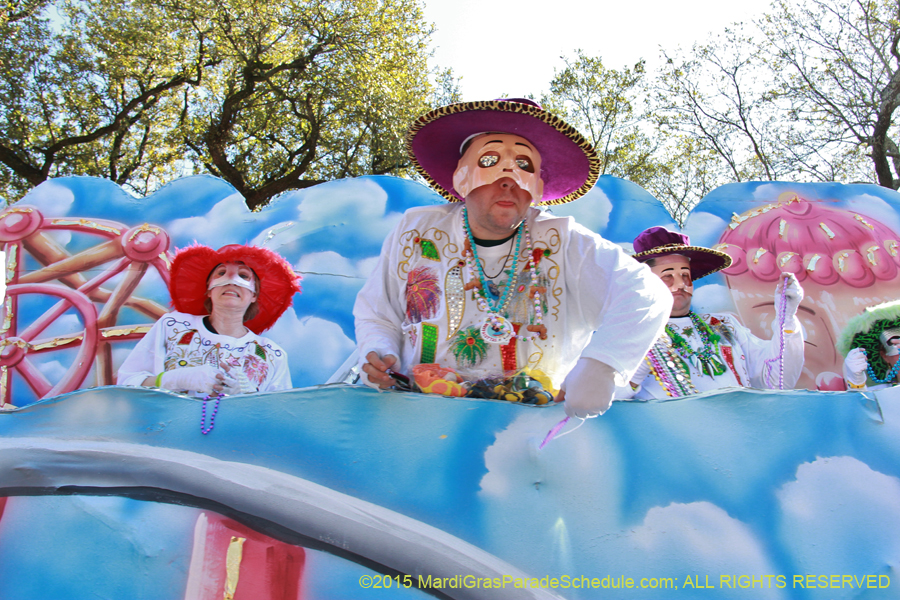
x,y
232,278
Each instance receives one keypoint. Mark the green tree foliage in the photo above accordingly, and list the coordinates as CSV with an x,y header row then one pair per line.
x,y
600,103
85,89
716,96
686,172
16,10
269,96
808,92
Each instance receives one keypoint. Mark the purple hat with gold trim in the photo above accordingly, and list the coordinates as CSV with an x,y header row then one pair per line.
x,y
569,164
657,242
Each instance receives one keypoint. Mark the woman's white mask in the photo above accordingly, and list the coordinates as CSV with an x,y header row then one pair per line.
x,y
232,276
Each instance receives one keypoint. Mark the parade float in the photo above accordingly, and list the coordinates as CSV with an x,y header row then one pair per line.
x,y
335,490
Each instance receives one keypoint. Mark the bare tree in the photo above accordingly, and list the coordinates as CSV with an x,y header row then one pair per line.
x,y
836,69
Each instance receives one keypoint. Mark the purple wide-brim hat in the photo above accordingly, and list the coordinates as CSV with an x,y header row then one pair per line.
x,y
659,241
569,164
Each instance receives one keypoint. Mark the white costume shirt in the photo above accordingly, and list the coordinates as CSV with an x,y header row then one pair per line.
x,y
415,305
742,354
182,340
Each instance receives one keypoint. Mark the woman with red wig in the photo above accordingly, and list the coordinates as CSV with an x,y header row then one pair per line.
x,y
211,345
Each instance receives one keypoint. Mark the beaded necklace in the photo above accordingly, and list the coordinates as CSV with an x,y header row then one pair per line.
x,y
888,377
212,419
707,354
778,361
669,369
497,328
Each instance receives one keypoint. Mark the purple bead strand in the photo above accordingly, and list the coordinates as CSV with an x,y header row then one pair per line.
x,y
780,358
212,418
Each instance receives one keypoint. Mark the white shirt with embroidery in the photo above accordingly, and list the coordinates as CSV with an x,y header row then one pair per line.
x,y
596,301
739,362
182,340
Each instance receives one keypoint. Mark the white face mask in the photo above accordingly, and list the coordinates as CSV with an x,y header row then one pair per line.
x,y
889,341
492,156
232,274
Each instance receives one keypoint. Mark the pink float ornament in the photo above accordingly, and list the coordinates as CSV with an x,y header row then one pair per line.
x,y
831,245
94,285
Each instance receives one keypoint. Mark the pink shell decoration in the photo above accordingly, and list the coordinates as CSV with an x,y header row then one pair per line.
x,y
762,264
738,258
812,240
853,269
820,269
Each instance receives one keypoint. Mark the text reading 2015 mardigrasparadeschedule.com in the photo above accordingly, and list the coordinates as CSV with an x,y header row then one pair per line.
x,y
694,582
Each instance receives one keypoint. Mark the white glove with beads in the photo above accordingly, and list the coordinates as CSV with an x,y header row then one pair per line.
x,y
855,366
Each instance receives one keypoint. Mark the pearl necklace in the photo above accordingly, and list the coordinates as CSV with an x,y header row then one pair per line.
x,y
496,328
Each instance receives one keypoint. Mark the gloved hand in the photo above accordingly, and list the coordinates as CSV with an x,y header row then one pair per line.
x,y
236,381
231,386
205,379
793,295
588,388
855,366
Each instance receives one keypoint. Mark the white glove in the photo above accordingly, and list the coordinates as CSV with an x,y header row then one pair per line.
x,y
855,366
236,382
793,295
589,388
195,379
231,386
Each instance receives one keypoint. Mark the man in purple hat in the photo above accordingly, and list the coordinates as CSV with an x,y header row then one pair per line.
x,y
503,297
702,352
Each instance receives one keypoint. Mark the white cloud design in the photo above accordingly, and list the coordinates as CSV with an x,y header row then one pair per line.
x,y
52,197
839,516
360,203
315,347
704,228
228,215
877,209
333,263
701,537
591,210
713,297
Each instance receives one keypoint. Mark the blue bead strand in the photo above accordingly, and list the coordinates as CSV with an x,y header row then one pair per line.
x,y
889,376
503,300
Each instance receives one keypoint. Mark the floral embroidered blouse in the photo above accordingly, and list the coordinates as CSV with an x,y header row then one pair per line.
x,y
182,340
